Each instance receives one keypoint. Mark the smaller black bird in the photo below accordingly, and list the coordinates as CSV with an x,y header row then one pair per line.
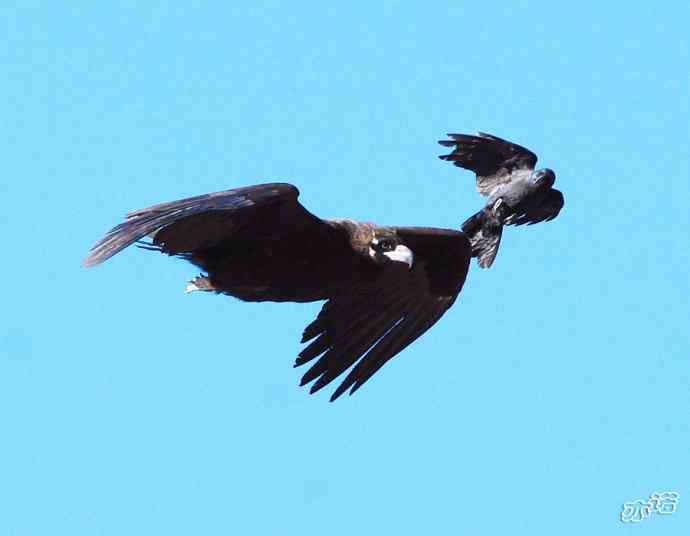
x,y
505,174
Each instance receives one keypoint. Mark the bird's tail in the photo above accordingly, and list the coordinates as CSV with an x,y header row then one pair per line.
x,y
484,231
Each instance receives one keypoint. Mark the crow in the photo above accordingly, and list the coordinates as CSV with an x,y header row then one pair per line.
x,y
517,194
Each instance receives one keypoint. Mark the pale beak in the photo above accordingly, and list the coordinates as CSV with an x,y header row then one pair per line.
x,y
401,254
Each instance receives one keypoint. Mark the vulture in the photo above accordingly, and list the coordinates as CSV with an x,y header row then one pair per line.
x,y
517,194
383,286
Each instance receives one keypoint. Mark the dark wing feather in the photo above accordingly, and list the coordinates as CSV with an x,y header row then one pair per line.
x,y
203,221
373,321
484,230
493,159
546,210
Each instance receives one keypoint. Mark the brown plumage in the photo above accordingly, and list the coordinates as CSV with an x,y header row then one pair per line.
x,y
384,286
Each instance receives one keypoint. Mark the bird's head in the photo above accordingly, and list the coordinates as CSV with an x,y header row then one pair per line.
x,y
544,178
387,247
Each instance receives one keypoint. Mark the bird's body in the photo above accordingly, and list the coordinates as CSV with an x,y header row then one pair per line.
x,y
516,193
302,266
384,286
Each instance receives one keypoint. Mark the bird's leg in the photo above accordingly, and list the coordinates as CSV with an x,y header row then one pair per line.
x,y
199,283
500,209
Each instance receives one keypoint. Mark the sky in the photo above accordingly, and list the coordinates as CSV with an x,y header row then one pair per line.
x,y
554,390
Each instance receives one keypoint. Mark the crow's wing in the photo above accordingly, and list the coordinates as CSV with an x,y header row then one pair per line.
x,y
495,161
484,230
188,225
375,320
547,209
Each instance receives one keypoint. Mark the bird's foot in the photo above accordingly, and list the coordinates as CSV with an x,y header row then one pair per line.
x,y
500,208
199,283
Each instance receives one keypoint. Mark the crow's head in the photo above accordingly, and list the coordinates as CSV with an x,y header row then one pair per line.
x,y
544,178
387,247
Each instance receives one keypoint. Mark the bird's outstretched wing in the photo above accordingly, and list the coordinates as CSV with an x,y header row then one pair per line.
x,y
204,221
544,210
367,320
375,320
493,159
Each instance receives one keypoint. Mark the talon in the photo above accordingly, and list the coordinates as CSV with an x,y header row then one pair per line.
x,y
190,288
199,283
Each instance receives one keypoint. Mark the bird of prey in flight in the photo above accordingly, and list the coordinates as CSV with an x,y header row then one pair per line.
x,y
517,194
383,286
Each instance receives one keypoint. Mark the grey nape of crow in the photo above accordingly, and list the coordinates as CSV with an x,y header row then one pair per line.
x,y
383,286
517,194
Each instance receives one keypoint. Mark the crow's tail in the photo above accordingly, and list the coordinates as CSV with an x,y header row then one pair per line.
x,y
484,231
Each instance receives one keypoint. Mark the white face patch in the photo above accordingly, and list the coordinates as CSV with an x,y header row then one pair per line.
x,y
401,254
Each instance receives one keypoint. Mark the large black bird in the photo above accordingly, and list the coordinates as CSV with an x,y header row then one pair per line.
x,y
505,174
384,286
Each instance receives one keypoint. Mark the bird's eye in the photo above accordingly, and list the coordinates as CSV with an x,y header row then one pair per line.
x,y
386,244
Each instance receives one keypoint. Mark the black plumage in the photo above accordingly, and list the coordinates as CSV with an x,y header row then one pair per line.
x,y
383,286
517,194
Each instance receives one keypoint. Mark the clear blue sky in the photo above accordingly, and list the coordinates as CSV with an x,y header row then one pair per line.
x,y
553,391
